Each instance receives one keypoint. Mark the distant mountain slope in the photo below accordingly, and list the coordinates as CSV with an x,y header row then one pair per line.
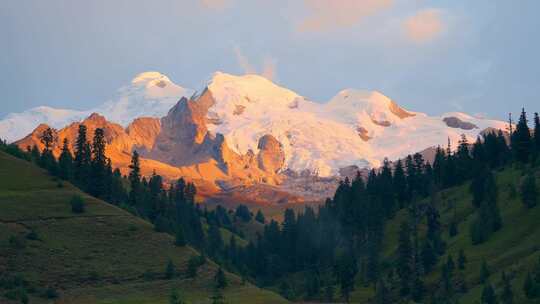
x,y
104,255
149,94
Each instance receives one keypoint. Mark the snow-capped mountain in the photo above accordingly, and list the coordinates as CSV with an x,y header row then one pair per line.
x,y
246,127
353,128
150,94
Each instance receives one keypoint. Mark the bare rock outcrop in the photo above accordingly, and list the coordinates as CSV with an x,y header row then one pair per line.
x,y
454,122
271,156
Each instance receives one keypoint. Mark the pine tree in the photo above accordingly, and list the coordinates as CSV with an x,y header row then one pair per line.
x,y
529,193
530,287
537,133
65,162
329,293
220,279
175,298
260,217
488,295
400,184
135,180
170,270
382,294
215,241
346,272
462,259
521,139
82,158
507,296
47,160
97,186
405,255
180,239
463,159
484,272
429,256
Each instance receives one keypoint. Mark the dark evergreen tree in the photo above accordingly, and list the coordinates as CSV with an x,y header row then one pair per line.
x,y
97,182
170,270
243,213
260,217
215,241
47,160
521,139
488,295
429,256
220,279
531,287
65,162
400,184
82,159
404,262
537,133
507,295
135,180
180,239
346,273
529,192
463,159
484,272
382,294
462,260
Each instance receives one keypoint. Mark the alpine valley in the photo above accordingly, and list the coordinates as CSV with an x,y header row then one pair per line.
x,y
244,138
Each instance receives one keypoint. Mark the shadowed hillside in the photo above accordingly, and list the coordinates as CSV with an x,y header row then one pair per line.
x,y
104,255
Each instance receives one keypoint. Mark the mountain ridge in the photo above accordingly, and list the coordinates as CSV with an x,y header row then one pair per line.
x,y
246,130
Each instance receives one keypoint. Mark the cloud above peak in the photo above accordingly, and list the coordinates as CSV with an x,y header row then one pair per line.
x,y
268,66
329,15
216,4
425,25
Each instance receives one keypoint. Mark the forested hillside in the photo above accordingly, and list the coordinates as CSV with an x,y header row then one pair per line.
x,y
59,244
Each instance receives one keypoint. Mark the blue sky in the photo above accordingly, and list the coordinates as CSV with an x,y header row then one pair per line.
x,y
479,57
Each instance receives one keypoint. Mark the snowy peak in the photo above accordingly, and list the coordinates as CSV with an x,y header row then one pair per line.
x,y
366,107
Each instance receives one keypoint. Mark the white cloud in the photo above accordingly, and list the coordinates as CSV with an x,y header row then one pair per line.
x,y
334,14
268,67
216,4
425,25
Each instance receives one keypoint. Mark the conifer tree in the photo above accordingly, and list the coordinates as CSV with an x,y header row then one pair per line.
x,y
521,139
260,217
47,160
484,272
537,133
488,295
400,184
65,162
170,270
531,288
462,259
507,296
97,182
387,196
220,279
215,241
405,255
82,158
529,192
135,180
180,239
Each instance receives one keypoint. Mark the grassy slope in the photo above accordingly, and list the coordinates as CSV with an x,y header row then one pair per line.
x,y
514,249
102,256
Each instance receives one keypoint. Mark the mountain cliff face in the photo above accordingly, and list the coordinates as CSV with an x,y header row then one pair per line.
x,y
243,131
